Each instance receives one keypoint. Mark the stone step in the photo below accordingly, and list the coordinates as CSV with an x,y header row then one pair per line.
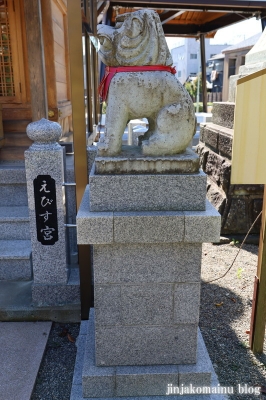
x,y
14,223
13,190
217,138
15,260
223,114
16,305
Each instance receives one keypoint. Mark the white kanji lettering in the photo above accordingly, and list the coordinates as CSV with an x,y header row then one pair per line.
x,y
47,233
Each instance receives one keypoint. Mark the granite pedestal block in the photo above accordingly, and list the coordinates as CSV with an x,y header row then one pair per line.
x,y
147,192
147,231
146,226
149,380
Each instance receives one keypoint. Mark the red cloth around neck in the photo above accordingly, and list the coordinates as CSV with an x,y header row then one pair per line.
x,y
111,71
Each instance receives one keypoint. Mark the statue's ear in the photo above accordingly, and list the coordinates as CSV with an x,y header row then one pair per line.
x,y
136,27
165,57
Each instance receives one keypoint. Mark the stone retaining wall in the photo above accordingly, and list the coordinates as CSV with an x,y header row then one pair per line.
x,y
238,205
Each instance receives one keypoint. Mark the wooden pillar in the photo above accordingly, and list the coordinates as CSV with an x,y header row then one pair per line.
x,y
203,71
88,73
33,21
94,63
259,308
79,140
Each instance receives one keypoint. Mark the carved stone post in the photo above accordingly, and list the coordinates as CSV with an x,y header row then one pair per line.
x,y
45,175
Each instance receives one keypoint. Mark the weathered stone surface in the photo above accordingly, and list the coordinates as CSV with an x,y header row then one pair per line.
x,y
146,345
203,153
211,135
237,215
225,143
223,114
213,166
131,161
154,263
225,175
164,192
216,196
156,95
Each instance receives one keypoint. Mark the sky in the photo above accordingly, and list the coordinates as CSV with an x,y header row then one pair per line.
x,y
230,35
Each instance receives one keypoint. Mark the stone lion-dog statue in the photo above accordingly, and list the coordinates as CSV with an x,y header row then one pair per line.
x,y
139,82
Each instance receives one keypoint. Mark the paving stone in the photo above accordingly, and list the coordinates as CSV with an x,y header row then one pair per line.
x,y
22,348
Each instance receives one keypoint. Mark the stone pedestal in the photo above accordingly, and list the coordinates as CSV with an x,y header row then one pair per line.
x,y
53,282
146,230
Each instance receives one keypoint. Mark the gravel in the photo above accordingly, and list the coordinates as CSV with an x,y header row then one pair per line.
x,y
224,319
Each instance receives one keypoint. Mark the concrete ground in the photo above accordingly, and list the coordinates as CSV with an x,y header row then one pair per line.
x,y
22,348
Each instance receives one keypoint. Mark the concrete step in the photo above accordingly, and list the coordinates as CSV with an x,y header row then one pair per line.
x,y
16,305
15,260
14,223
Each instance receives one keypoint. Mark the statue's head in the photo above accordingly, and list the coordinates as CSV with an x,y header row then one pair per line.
x,y
136,39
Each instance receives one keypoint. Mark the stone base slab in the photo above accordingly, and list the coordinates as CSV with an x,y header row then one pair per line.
x,y
147,192
132,161
58,294
142,383
146,226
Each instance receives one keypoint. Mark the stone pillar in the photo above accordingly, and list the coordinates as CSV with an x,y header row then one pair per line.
x,y
147,218
44,163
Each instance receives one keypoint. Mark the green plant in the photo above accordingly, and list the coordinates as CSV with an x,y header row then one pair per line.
x,y
239,272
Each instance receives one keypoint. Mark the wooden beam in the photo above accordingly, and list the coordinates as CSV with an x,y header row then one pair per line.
x,y
35,50
203,71
170,15
260,301
229,5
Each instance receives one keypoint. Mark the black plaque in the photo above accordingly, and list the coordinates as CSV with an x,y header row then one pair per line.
x,y
45,209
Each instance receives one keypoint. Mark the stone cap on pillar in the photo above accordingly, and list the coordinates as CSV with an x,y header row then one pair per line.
x,y
45,134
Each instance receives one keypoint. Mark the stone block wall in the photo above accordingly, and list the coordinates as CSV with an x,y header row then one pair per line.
x,y
238,205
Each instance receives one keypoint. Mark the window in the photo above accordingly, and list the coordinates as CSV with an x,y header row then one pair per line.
x,y
193,56
11,53
231,67
7,87
179,74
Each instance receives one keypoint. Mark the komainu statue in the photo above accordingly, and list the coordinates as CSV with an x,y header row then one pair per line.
x,y
139,82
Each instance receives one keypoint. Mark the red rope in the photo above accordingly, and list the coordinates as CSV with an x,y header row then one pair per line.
x,y
111,71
